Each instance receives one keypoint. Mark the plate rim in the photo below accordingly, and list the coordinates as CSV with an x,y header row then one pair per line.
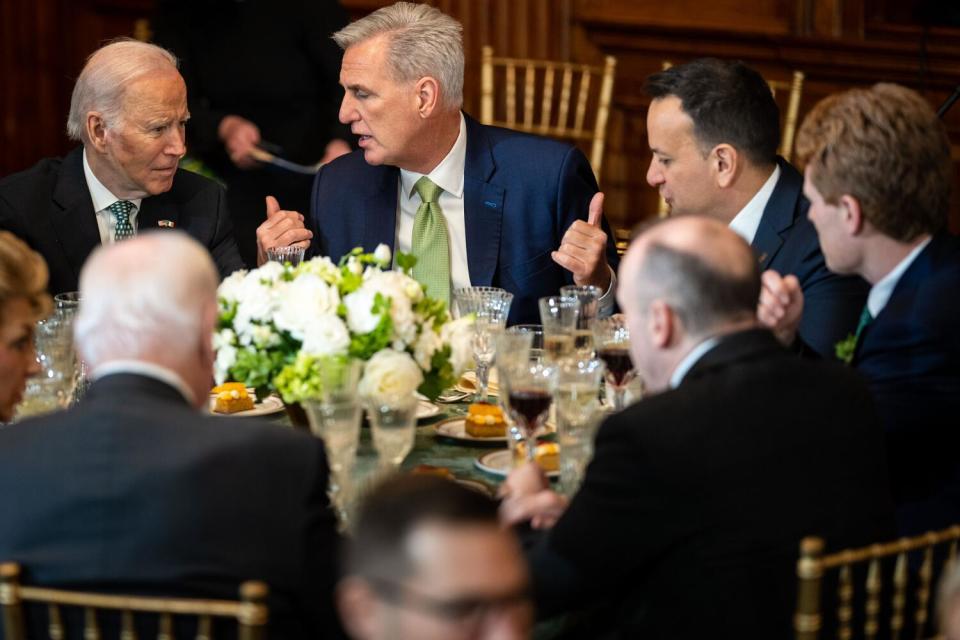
x,y
255,412
435,408
466,437
502,473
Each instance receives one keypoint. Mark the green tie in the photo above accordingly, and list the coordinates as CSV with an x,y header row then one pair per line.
x,y
121,212
430,245
865,319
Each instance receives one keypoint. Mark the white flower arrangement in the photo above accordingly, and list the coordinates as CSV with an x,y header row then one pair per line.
x,y
277,322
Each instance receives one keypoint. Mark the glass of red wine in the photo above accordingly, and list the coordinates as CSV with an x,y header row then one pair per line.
x,y
612,339
529,390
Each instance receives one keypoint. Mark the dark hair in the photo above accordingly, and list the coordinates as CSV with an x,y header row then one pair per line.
x,y
728,102
397,507
702,295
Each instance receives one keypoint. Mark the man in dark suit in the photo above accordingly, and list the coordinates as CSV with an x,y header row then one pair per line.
x,y
714,129
893,233
129,110
500,209
135,490
691,512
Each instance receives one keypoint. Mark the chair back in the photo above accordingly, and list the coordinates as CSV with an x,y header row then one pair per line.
x,y
555,98
250,611
908,565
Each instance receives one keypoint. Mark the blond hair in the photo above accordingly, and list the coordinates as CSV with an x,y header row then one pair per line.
x,y
23,274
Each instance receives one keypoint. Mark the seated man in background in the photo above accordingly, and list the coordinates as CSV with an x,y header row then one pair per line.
x,y
128,111
428,559
691,513
879,199
476,205
714,129
135,488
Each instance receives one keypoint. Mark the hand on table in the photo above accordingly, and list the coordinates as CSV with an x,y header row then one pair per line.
x,y
583,249
280,229
781,305
527,497
239,137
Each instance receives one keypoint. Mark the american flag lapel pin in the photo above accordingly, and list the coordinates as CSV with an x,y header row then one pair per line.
x,y
165,224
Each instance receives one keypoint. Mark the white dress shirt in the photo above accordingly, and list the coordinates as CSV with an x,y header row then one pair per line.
x,y
448,175
103,198
147,370
746,223
690,360
880,293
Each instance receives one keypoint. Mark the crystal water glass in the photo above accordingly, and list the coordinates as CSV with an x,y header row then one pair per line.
x,y
291,254
559,316
589,297
52,388
490,307
67,306
393,421
577,407
536,338
612,340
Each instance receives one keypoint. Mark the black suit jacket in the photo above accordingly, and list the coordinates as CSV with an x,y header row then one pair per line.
x,y
49,207
787,242
910,356
689,520
134,490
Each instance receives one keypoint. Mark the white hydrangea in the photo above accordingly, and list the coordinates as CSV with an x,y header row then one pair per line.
x,y
390,373
326,336
304,301
427,344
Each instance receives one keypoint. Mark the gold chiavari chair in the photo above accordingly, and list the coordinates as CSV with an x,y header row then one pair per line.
x,y
551,114
787,132
250,611
813,567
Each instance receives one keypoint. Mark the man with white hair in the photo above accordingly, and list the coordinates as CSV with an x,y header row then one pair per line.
x,y
135,488
128,111
476,205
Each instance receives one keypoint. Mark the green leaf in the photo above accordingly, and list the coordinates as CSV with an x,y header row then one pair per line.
x,y
440,376
844,349
406,261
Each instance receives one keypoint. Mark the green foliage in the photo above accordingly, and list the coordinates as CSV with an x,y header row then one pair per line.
x,y
845,348
363,346
406,262
440,376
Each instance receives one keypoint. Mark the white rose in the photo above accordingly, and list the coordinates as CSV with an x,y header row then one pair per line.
x,y
269,271
226,356
393,285
304,300
223,338
322,268
263,336
360,316
229,289
327,336
256,301
459,335
427,344
382,255
390,373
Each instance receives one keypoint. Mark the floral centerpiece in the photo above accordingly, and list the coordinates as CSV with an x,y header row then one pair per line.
x,y
278,322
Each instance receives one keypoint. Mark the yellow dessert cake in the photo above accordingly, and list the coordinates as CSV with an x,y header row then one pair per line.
x,y
485,421
233,400
547,455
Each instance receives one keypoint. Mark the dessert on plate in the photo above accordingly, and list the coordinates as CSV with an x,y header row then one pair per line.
x,y
485,420
232,397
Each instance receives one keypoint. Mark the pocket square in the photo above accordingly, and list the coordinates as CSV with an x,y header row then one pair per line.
x,y
166,224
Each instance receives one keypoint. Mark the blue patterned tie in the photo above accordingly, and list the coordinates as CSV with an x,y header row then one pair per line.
x,y
121,214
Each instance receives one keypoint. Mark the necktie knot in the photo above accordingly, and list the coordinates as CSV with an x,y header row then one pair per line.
x,y
121,213
428,191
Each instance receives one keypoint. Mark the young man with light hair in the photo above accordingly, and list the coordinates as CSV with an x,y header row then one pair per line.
x,y
878,177
477,205
129,112
136,488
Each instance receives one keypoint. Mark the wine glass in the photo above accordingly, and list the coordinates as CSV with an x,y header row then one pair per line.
x,y
613,346
536,338
529,388
577,406
559,315
393,421
589,297
490,307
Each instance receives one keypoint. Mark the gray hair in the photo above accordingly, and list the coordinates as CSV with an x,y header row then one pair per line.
x,y
702,295
105,78
423,42
144,299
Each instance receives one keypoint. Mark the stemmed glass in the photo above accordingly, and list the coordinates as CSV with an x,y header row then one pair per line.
x,y
559,315
528,387
589,297
577,405
490,307
613,346
393,421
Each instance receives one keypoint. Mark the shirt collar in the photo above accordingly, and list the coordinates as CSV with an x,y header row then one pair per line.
x,y
448,175
148,370
691,359
746,222
101,196
880,293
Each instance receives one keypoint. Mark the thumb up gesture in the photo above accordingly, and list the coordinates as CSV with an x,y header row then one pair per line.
x,y
280,229
583,248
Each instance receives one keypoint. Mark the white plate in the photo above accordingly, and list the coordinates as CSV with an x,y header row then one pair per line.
x,y
456,429
499,463
426,409
271,404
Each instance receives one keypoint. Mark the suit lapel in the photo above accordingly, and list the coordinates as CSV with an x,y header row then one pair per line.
x,y
75,223
380,211
153,210
778,215
482,205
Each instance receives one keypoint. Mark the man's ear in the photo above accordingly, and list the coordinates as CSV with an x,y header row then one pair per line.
x,y
660,318
358,607
852,214
428,96
96,128
725,162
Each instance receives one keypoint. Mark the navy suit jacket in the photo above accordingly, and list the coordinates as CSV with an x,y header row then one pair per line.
x,y
49,207
521,194
910,356
787,242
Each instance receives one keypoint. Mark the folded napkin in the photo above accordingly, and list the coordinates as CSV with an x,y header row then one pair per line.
x,y
468,382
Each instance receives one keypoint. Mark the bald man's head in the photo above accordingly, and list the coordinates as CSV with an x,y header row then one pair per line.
x,y
705,272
